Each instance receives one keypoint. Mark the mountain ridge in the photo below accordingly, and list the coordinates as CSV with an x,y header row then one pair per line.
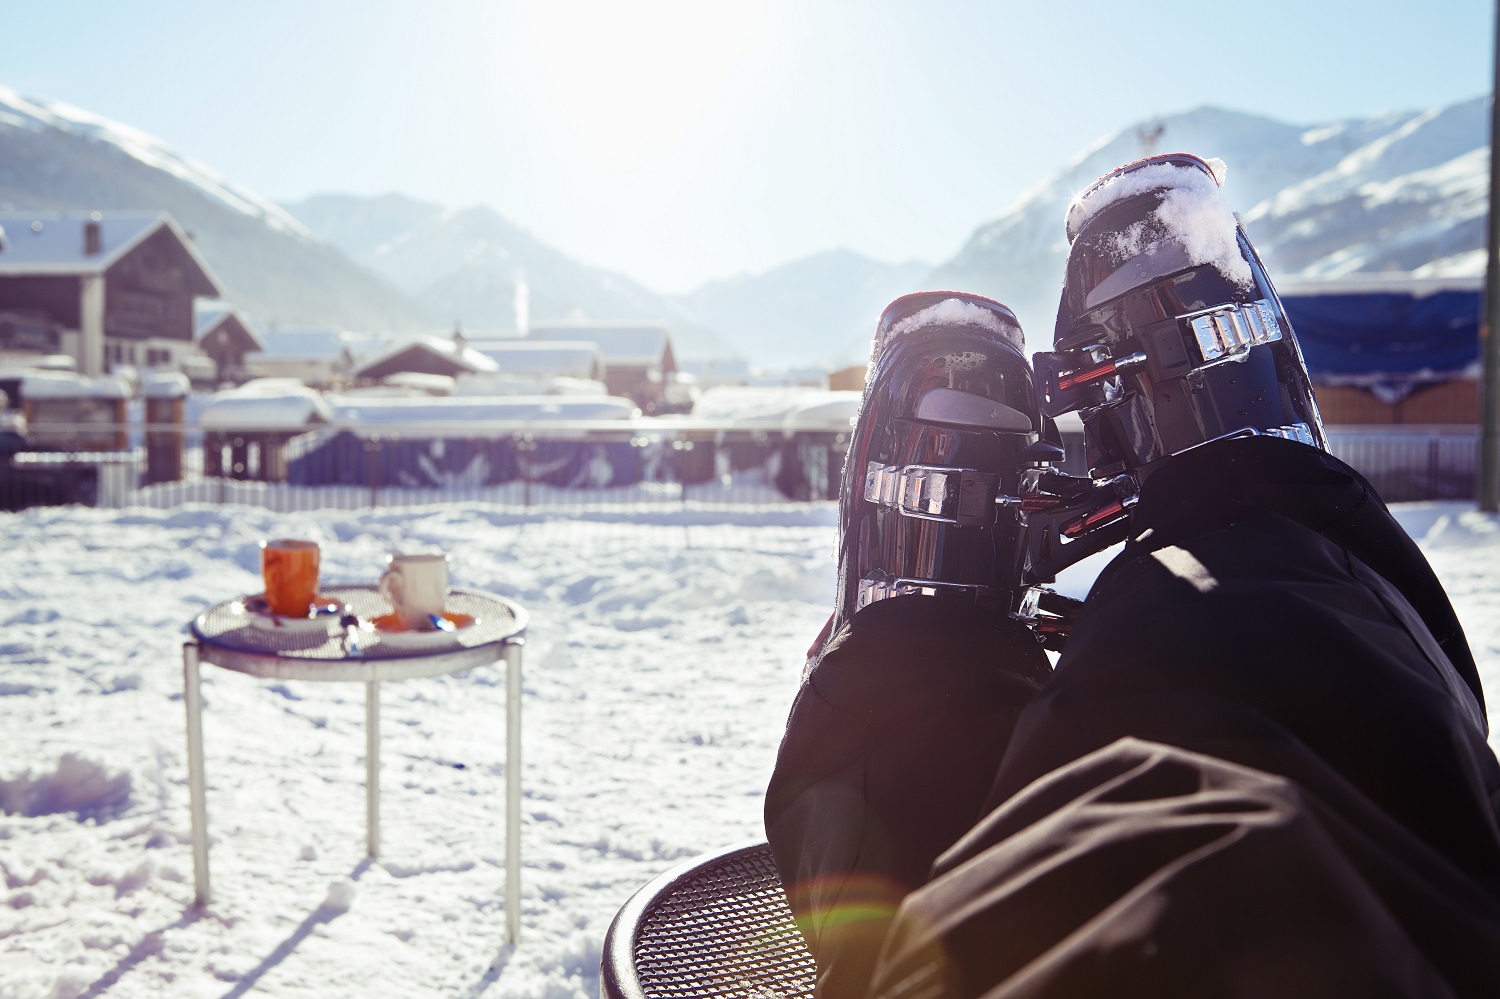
x,y
1403,191
54,157
1392,192
465,263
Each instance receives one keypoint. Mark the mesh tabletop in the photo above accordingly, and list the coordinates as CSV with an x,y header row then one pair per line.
x,y
721,928
231,636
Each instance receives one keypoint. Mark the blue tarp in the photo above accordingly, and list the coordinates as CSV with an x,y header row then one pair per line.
x,y
1387,337
344,458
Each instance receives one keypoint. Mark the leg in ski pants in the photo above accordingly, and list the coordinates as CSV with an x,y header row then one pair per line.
x,y
1259,769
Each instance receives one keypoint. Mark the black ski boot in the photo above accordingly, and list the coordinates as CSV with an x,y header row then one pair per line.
x,y
930,501
1169,334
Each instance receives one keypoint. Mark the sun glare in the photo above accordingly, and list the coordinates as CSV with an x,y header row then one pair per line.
x,y
634,80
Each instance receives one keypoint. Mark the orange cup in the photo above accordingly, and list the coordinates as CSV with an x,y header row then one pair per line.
x,y
290,569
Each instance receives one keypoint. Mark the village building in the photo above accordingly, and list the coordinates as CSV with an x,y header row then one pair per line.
x,y
1390,350
638,360
109,289
713,371
246,429
426,355
225,338
543,360
850,379
322,357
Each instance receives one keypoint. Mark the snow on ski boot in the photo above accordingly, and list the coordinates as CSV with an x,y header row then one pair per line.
x,y
949,422
1169,335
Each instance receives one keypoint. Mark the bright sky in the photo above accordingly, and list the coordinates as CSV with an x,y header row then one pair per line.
x,y
682,140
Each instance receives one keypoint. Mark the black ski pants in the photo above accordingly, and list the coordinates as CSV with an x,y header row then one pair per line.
x,y
1259,769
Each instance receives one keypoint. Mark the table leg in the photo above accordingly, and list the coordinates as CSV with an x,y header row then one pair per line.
x,y
192,697
372,768
513,792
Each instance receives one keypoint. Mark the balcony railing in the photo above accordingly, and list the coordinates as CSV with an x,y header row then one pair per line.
x,y
568,467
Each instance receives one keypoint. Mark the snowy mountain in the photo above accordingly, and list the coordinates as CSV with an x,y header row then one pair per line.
x,y
818,311
463,265
1414,199
1400,192
358,226
1394,192
56,157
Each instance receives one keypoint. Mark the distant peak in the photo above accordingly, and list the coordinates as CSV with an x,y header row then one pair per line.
x,y
37,115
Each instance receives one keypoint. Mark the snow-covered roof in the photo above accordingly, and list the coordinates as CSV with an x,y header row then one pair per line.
x,y
46,363
506,384
165,385
209,316
823,411
54,242
1397,283
786,408
356,409
206,319
270,403
576,358
449,352
418,381
627,345
58,385
318,344
568,385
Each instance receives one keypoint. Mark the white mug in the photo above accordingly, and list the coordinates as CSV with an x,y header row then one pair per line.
x,y
416,586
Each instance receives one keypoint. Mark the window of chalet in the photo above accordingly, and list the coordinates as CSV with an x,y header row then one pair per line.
x,y
27,333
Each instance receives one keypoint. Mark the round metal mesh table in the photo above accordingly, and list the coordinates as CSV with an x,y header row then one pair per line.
x,y
234,638
716,926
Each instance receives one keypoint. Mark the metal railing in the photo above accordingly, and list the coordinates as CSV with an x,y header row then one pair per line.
x,y
1412,462
567,468
558,467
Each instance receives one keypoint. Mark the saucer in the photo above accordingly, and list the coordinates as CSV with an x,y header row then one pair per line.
x,y
392,634
324,618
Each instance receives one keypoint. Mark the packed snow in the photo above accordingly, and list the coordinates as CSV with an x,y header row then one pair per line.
x,y
663,653
1193,213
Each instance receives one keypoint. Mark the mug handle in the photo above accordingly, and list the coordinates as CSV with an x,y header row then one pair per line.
x,y
390,588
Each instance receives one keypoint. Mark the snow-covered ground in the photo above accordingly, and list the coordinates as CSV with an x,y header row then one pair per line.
x,y
663,654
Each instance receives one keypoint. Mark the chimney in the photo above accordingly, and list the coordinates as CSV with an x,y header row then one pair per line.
x,y
523,305
93,242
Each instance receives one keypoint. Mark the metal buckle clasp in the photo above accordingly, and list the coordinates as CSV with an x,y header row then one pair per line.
x,y
959,496
879,586
1227,332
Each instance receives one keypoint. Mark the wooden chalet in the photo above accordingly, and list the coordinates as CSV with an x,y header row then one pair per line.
x,y
106,288
224,337
426,355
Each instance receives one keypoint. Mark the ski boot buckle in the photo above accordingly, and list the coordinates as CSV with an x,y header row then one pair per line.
x,y
963,497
